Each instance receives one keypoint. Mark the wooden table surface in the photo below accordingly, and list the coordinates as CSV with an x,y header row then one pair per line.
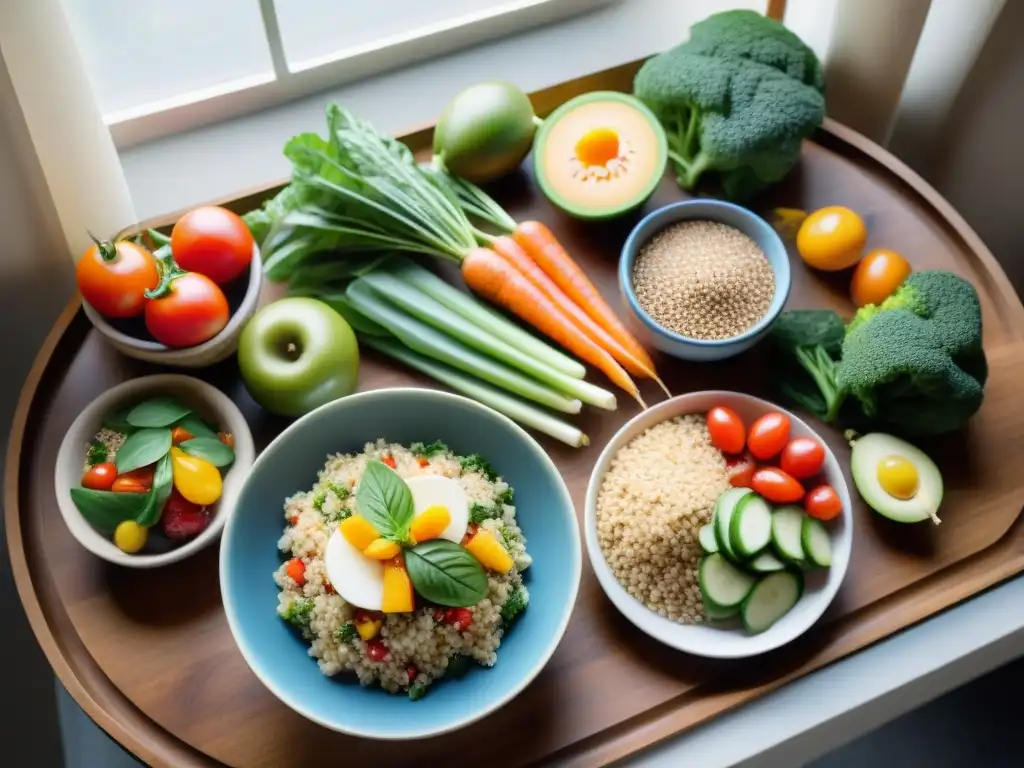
x,y
149,655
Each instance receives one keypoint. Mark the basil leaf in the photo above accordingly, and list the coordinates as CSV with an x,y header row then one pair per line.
x,y
158,412
118,422
209,448
158,495
141,448
195,426
385,500
105,509
445,573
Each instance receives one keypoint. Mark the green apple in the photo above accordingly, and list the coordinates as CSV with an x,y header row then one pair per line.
x,y
297,354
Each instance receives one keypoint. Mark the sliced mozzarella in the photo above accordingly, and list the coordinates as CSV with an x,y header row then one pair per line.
x,y
358,579
430,490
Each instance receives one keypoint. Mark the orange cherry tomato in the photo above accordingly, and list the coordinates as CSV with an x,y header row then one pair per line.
x,y
823,503
227,438
99,477
877,276
726,428
125,484
192,310
180,435
143,475
740,470
777,486
831,238
802,457
113,277
768,435
212,241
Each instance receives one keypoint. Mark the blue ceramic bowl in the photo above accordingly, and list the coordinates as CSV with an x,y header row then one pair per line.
x,y
746,221
249,556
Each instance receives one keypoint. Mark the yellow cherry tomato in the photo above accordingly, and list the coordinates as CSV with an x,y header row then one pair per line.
x,y
831,238
877,276
196,479
130,537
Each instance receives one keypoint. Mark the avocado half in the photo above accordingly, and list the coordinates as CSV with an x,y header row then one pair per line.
x,y
589,191
868,451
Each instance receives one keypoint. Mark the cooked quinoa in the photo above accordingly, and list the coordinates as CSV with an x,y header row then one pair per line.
x,y
703,279
106,442
420,640
658,491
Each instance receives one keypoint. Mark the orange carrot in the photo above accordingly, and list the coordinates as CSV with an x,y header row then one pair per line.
x,y
512,252
497,280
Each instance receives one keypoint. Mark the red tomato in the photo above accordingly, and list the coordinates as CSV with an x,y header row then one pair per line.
x,y
728,433
740,470
212,241
376,650
777,486
768,435
192,311
823,503
113,278
802,457
460,618
100,477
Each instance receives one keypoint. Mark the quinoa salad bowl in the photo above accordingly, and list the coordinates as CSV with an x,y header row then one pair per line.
x,y
400,563
652,491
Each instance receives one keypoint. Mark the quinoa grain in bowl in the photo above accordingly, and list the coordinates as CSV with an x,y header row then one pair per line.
x,y
405,564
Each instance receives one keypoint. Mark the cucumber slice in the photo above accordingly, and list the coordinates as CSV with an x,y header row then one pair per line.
x,y
724,585
787,525
771,598
766,562
707,538
724,508
816,542
750,529
717,612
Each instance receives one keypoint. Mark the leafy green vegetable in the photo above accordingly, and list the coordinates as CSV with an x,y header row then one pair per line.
x,y
385,500
157,412
118,421
505,497
341,491
429,449
444,573
298,612
211,449
143,447
158,494
477,463
195,426
458,665
97,453
809,342
417,691
319,499
515,604
346,633
104,509
480,512
508,537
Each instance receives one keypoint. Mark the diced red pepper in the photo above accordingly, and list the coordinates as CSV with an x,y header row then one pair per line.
x,y
389,460
297,571
460,618
423,462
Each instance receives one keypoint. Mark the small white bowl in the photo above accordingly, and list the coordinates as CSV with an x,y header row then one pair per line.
x,y
723,640
208,402
220,347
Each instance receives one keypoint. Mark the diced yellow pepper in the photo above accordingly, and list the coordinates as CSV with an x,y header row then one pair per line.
x,y
358,531
398,594
430,523
488,550
368,628
382,549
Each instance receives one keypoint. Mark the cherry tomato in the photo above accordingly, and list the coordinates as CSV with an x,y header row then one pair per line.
x,y
127,484
777,486
99,477
459,618
297,571
143,476
212,241
802,457
192,311
113,277
768,435
227,438
728,433
376,650
180,435
831,238
877,276
823,503
740,470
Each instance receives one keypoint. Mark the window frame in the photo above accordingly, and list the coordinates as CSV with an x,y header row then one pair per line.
x,y
162,117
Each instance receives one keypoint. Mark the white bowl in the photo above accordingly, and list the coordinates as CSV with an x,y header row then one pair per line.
x,y
220,347
723,640
208,402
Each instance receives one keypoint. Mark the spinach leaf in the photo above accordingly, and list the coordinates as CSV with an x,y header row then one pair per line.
x,y
157,412
195,426
105,509
385,500
118,422
143,447
209,448
444,573
158,494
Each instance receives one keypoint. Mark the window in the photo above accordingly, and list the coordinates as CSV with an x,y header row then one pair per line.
x,y
159,67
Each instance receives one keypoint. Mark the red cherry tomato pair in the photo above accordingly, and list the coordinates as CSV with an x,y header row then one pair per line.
x,y
766,439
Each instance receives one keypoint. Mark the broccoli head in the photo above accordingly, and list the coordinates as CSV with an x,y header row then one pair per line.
x,y
738,106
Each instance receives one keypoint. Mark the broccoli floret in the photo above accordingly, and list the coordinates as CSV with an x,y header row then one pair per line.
x,y
508,538
428,449
810,342
477,463
346,633
729,105
97,453
341,492
515,604
297,612
505,497
480,512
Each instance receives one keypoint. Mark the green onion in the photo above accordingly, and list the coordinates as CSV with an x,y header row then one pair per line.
x,y
483,317
429,341
515,409
422,306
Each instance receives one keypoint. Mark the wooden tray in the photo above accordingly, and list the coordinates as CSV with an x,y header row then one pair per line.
x,y
149,656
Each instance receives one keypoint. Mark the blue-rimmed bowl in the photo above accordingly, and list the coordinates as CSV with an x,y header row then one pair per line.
x,y
249,556
747,222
